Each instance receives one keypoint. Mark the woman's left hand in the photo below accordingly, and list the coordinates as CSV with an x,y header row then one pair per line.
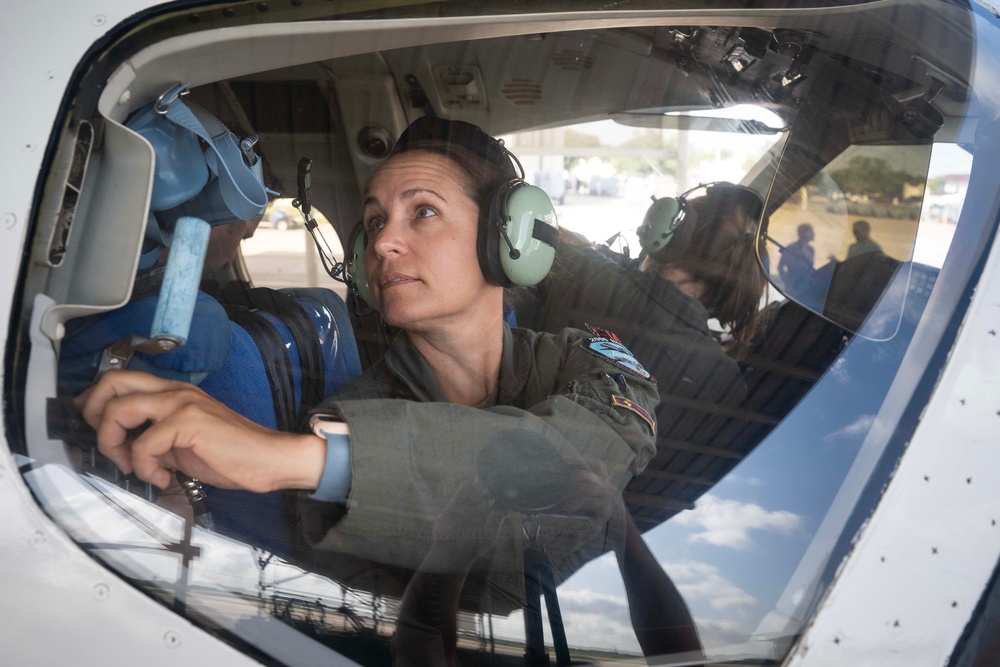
x,y
595,501
466,529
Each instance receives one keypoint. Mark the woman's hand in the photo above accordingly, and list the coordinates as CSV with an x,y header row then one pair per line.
x,y
190,431
466,529
598,505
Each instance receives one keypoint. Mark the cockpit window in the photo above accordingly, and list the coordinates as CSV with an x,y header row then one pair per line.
x,y
752,216
588,167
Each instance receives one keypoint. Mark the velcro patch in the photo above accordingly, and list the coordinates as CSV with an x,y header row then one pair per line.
x,y
616,353
629,404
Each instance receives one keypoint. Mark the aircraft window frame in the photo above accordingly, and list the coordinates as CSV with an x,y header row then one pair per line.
x,y
928,343
276,257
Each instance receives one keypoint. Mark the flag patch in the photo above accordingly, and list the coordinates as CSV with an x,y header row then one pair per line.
x,y
631,405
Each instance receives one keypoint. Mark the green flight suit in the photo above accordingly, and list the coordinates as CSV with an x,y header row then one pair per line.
x,y
411,450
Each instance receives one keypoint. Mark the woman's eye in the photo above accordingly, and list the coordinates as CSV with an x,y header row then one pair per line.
x,y
374,224
425,212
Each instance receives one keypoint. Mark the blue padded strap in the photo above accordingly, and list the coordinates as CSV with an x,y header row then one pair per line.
x,y
241,188
303,334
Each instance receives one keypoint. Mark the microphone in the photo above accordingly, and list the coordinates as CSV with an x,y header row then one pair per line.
x,y
304,182
514,253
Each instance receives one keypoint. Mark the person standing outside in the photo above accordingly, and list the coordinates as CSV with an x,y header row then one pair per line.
x,y
864,244
798,259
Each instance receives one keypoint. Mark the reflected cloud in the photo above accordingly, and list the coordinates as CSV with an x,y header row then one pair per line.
x,y
839,371
591,620
882,325
610,609
749,481
702,581
716,633
856,429
727,523
595,620
860,429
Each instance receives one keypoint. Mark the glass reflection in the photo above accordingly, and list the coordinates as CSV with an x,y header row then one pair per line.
x,y
723,548
834,245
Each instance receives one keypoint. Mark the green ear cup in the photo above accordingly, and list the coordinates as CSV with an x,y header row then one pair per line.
x,y
354,265
533,232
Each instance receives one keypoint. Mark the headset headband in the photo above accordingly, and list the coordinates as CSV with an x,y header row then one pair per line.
x,y
724,185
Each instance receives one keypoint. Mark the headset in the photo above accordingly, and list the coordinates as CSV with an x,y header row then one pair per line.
x,y
354,264
665,215
518,228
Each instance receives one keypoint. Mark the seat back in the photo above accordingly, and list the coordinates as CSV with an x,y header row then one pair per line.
x,y
290,349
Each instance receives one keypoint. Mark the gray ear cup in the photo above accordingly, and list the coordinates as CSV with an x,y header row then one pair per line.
x,y
354,265
518,244
660,222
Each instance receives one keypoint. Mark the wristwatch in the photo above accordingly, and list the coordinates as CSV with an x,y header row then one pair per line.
x,y
324,425
335,481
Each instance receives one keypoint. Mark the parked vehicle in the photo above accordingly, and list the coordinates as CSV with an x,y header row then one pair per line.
x,y
281,215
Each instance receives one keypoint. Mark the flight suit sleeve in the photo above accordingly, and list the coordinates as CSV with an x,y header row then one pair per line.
x,y
601,402
584,404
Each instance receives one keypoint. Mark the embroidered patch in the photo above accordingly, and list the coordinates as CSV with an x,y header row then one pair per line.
x,y
629,404
616,353
603,333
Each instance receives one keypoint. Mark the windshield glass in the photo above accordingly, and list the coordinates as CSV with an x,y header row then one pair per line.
x,y
687,405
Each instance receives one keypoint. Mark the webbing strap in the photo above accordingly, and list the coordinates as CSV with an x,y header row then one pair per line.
x,y
276,361
303,332
306,342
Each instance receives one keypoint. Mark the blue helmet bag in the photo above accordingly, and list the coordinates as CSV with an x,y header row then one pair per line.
x,y
202,169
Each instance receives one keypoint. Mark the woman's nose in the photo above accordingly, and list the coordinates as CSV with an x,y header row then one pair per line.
x,y
391,238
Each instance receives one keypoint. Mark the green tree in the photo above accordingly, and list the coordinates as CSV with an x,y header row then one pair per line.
x,y
872,176
577,139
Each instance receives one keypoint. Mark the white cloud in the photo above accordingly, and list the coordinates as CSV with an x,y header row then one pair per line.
x,y
612,609
601,620
716,634
859,429
727,523
749,481
702,581
594,620
591,620
838,371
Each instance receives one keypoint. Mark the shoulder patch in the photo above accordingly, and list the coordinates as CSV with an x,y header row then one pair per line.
x,y
614,352
632,406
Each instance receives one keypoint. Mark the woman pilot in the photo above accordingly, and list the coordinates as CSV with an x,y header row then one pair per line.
x,y
458,397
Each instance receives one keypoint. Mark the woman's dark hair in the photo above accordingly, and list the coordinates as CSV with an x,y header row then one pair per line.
x,y
716,246
483,159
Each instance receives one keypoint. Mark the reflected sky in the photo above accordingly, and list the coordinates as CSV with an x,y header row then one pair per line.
x,y
734,555
732,558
